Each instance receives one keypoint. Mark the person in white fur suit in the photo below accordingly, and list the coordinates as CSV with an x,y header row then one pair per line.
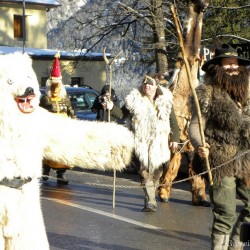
x,y
154,124
29,133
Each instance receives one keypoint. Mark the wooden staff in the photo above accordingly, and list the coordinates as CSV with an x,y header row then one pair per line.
x,y
193,91
109,63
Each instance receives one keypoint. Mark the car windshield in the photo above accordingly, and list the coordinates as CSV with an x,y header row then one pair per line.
x,y
82,101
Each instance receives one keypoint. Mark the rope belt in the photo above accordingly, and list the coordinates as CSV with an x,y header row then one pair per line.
x,y
16,182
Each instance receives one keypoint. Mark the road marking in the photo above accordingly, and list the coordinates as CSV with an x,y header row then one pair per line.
x,y
114,216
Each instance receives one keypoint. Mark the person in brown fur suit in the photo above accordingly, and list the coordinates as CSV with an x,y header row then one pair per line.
x,y
224,101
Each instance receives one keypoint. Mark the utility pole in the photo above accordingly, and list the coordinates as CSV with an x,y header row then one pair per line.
x,y
24,26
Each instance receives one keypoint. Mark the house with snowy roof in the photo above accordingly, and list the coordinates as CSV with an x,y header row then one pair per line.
x,y
23,27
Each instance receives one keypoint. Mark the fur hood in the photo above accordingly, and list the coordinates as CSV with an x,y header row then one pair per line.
x,y
151,126
226,131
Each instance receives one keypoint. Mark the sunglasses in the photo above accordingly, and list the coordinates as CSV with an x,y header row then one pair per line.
x,y
148,81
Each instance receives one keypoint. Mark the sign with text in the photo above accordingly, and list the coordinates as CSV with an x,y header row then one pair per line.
x,y
242,49
207,53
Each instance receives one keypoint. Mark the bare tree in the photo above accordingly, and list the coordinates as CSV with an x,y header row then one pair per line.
x,y
157,23
143,29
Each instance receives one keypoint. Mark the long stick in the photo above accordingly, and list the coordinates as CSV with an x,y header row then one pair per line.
x,y
109,63
110,83
193,91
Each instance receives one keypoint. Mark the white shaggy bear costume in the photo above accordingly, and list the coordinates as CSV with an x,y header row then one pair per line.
x,y
27,134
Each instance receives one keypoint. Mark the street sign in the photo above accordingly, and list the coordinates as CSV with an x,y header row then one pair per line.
x,y
242,49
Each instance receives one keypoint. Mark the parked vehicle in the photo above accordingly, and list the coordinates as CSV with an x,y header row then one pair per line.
x,y
82,99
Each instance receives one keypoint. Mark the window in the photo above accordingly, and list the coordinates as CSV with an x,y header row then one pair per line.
x,y
82,101
18,27
43,81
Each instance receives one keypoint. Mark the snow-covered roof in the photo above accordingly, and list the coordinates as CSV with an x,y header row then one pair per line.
x,y
39,2
50,53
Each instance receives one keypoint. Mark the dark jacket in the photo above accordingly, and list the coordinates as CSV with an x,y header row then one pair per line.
x,y
62,106
102,115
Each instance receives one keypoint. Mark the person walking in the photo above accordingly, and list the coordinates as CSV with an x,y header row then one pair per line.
x,y
104,103
225,109
156,132
55,100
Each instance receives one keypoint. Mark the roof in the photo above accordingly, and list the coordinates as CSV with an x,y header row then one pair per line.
x,y
47,3
50,53
74,89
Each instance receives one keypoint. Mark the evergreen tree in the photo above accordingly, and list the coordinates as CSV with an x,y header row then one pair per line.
x,y
228,20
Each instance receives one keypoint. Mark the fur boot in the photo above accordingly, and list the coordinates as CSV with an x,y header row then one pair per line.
x,y
169,174
199,197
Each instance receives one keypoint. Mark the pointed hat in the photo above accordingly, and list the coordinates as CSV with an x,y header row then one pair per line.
x,y
55,71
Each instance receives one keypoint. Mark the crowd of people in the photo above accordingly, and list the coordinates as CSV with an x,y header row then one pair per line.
x,y
225,110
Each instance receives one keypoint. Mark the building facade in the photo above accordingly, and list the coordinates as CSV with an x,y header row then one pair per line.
x,y
23,27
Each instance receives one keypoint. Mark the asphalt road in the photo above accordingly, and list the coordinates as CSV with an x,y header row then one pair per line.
x,y
81,215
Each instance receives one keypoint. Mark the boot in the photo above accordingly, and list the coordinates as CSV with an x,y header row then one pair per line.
x,y
169,174
62,180
45,172
198,189
235,243
199,198
149,208
60,176
220,242
150,201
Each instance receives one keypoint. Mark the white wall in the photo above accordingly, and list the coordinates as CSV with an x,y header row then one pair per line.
x,y
36,28
93,72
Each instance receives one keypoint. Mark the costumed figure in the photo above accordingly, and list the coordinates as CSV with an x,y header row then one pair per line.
x,y
28,134
225,108
152,121
56,101
179,86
